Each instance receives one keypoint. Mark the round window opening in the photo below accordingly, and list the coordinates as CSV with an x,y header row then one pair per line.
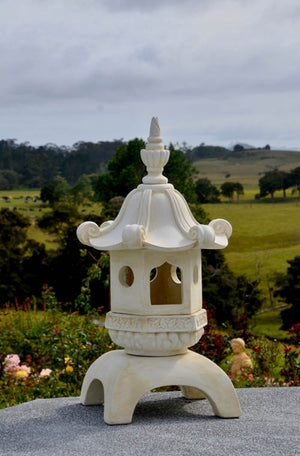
x,y
126,276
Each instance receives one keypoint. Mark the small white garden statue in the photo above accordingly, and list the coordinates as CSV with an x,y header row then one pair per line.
x,y
156,297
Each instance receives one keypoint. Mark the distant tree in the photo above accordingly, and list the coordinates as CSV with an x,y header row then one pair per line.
x,y
206,192
22,267
289,290
126,170
273,181
295,179
59,218
239,190
230,297
227,189
87,158
238,148
55,190
203,152
70,262
9,179
181,173
267,147
82,189
112,208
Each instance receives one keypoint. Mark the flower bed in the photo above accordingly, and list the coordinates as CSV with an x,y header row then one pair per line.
x,y
46,354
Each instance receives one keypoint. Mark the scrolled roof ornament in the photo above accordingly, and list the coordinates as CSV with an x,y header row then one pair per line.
x,y
86,231
221,227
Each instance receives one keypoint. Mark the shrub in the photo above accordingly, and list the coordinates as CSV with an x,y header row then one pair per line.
x,y
66,344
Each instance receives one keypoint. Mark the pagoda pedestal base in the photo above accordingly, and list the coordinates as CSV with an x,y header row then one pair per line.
x,y
119,380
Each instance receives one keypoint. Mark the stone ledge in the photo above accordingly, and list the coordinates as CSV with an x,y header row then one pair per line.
x,y
163,424
156,324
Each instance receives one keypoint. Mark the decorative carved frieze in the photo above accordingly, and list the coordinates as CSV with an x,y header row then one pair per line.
x,y
163,323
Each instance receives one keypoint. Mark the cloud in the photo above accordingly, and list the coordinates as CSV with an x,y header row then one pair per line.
x,y
214,67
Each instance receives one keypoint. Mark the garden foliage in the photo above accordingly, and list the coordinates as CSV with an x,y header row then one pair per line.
x,y
64,344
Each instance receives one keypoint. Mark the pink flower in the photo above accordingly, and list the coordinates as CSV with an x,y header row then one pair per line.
x,y
12,367
25,369
11,360
55,331
45,373
256,348
250,376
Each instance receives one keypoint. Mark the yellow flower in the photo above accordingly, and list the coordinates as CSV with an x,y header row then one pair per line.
x,y
21,374
69,369
68,361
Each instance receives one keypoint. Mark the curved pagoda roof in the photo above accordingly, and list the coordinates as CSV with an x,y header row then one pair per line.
x,y
155,216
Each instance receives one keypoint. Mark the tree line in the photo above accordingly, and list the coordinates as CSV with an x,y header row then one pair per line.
x,y
23,165
275,180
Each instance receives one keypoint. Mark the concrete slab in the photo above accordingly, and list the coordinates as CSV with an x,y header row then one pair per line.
x,y
163,424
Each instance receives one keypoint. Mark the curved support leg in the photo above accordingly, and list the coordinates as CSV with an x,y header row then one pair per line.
x,y
126,378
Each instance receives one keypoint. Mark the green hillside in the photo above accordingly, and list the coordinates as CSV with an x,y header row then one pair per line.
x,y
246,167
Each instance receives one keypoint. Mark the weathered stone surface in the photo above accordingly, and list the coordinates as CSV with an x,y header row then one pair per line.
x,y
163,424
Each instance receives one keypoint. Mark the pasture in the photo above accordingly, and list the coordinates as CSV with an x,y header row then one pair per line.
x,y
247,169
265,236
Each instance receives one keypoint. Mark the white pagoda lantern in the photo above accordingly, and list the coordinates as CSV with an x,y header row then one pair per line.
x,y
156,297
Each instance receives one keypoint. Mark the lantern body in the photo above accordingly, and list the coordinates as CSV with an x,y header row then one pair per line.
x,y
146,282
156,311
156,301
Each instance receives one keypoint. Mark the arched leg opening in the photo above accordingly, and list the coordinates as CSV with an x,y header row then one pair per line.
x,y
190,392
92,393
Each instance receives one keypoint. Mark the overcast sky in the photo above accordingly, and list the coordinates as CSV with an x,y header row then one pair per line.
x,y
213,71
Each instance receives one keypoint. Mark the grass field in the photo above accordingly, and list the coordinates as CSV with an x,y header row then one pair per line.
x,y
247,170
268,324
264,236
29,204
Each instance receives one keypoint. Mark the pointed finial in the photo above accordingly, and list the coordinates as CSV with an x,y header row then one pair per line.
x,y
155,140
155,156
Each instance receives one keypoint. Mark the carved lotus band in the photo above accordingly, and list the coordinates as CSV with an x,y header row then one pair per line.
x,y
155,344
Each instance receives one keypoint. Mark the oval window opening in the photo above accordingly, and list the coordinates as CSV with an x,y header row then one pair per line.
x,y
153,274
126,276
